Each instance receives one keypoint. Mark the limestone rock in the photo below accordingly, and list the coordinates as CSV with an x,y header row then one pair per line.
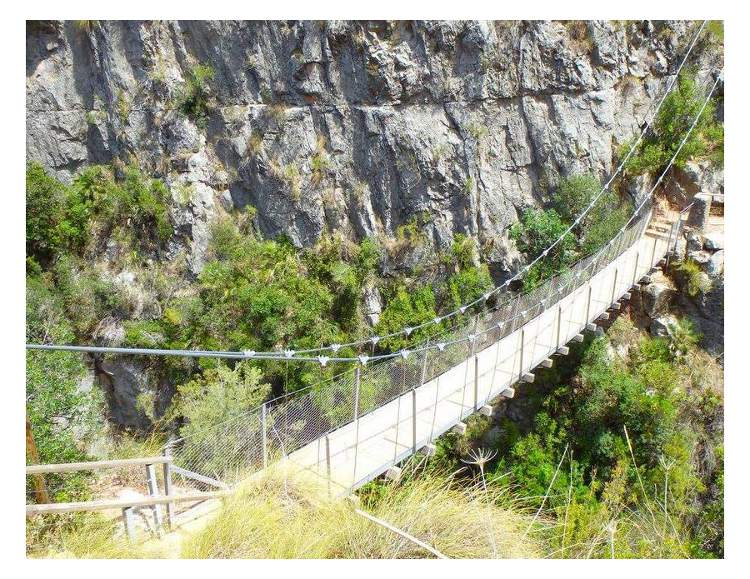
x,y
715,265
694,242
466,122
661,327
373,305
126,379
700,257
657,295
713,241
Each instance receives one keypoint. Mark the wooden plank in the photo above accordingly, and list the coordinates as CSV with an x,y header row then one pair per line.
x,y
95,465
117,504
40,489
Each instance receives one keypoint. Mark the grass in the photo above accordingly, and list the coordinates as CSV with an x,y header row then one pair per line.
x,y
94,536
288,515
292,517
696,281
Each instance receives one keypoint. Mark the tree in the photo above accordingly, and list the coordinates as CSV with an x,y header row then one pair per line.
x,y
536,231
675,117
217,431
45,202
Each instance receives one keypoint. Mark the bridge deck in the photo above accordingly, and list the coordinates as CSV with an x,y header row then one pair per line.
x,y
362,450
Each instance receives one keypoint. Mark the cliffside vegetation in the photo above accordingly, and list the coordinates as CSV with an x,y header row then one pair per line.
x,y
622,446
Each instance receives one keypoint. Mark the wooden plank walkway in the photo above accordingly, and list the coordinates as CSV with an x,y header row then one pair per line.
x,y
364,449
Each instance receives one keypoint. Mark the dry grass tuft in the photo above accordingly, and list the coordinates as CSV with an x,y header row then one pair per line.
x,y
293,518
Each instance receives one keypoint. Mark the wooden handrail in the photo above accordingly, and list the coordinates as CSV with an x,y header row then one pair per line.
x,y
117,504
95,465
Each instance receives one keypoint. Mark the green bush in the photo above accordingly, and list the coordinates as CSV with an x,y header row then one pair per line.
x,y
60,219
194,95
696,281
63,414
672,123
45,203
536,231
406,307
219,397
574,194
87,297
605,218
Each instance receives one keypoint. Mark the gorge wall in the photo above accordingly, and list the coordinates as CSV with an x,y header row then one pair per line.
x,y
355,127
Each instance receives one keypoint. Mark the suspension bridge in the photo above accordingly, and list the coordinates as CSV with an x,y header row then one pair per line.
x,y
366,421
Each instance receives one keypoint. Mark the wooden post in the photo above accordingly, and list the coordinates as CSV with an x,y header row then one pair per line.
x,y
127,519
167,468
40,489
153,490
264,434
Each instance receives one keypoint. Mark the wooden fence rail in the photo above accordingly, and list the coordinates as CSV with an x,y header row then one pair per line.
x,y
95,465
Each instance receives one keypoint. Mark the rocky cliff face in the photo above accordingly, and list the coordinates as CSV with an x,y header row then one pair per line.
x,y
351,127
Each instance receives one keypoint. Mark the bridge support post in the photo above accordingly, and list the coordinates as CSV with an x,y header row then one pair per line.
x,y
264,433
559,324
520,363
653,256
635,269
588,306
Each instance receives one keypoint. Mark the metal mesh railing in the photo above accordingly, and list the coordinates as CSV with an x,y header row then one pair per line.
x,y
246,444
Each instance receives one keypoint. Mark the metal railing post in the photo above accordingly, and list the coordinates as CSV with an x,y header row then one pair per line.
x,y
635,269
357,378
264,433
424,364
167,471
127,519
520,363
588,307
614,285
328,464
153,490
414,420
559,325
669,238
653,254
476,382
